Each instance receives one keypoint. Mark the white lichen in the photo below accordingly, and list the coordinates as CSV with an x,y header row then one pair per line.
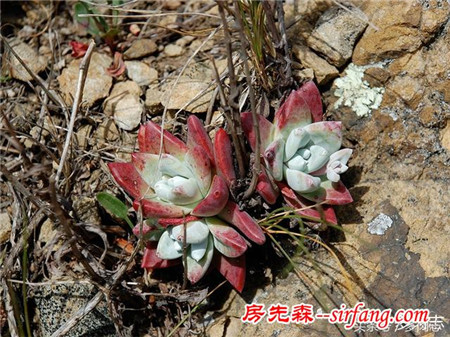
x,y
380,224
356,93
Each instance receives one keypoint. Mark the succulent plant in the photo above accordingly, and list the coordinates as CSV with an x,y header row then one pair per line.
x,y
185,190
302,154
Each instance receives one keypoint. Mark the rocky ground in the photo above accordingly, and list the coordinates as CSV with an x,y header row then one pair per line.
x,y
384,71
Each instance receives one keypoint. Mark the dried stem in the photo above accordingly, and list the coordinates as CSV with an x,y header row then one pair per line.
x,y
233,98
287,59
257,162
84,66
185,279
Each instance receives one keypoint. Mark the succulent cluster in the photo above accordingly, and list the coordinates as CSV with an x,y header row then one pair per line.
x,y
302,156
184,193
183,189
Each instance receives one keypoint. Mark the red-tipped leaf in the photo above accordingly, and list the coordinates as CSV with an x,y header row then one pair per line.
x,y
265,188
149,138
265,130
233,269
197,135
159,209
200,165
215,201
151,261
126,175
295,201
330,193
311,95
244,222
226,239
293,113
223,158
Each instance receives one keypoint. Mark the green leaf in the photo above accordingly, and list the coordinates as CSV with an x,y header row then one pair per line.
x,y
115,206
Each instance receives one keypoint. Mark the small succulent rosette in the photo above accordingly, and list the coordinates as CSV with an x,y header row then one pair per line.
x,y
302,154
184,194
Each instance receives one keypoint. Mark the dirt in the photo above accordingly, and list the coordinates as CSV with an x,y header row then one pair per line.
x,y
399,169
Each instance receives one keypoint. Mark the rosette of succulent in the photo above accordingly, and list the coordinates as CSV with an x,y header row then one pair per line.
x,y
302,155
183,192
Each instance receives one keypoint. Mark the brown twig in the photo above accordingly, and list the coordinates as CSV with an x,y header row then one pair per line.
x,y
84,66
185,279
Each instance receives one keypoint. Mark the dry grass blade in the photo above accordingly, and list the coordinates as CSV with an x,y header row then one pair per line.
x,y
84,67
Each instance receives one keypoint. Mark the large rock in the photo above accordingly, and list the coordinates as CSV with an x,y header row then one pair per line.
x,y
35,62
98,81
125,105
323,71
403,27
335,35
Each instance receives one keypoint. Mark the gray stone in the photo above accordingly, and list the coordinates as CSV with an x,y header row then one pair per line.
x,y
98,81
35,62
323,71
173,50
141,73
140,48
5,227
124,104
335,34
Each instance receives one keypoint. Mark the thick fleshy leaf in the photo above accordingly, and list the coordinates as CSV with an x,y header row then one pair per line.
x,y
198,250
297,202
126,175
331,193
152,166
319,157
265,188
148,232
156,208
266,130
297,139
244,222
223,158
151,261
301,182
178,190
232,269
326,134
226,239
293,113
273,156
311,95
176,221
342,156
168,249
215,201
200,166
197,269
196,231
78,49
149,138
197,135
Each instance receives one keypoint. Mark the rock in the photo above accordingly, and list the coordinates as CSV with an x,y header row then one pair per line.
x,y
376,76
171,4
124,104
173,50
32,59
194,90
141,73
304,74
445,137
107,131
404,27
82,136
323,71
184,41
57,303
98,81
5,227
140,48
153,101
335,34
